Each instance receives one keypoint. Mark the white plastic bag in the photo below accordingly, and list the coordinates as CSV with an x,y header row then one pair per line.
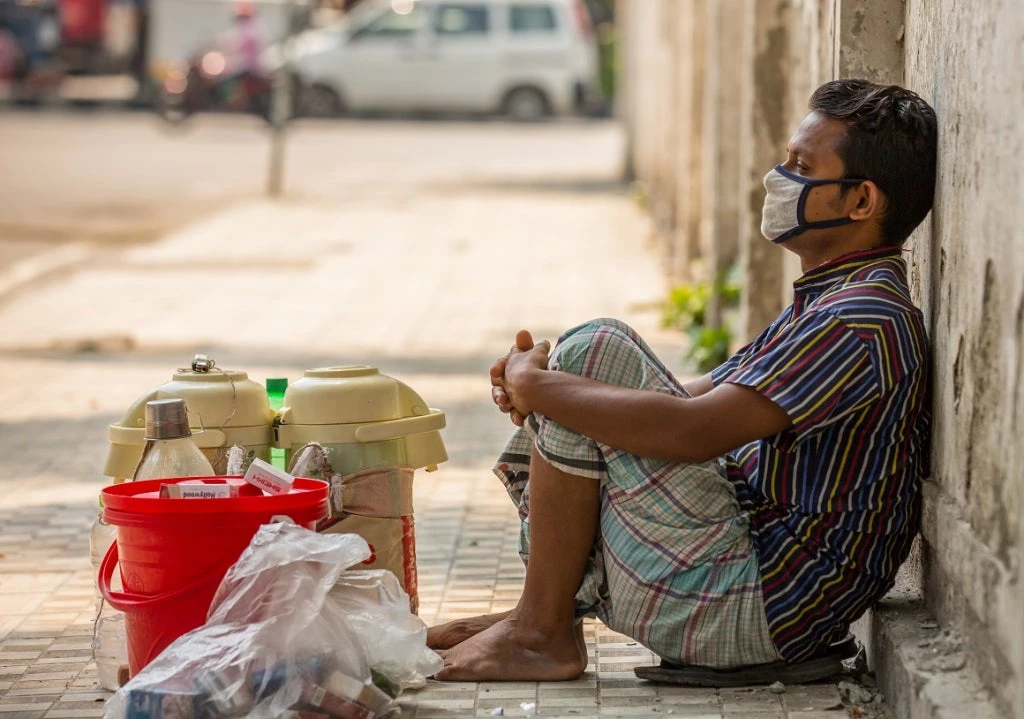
x,y
289,633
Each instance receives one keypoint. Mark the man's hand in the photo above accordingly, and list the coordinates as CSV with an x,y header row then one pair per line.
x,y
510,375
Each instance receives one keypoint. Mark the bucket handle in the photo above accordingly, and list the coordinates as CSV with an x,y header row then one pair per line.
x,y
125,600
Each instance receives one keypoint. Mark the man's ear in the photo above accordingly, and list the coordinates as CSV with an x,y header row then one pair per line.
x,y
867,201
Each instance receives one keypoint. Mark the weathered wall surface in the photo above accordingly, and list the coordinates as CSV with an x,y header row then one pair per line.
x,y
967,260
966,59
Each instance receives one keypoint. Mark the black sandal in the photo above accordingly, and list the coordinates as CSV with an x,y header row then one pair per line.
x,y
823,664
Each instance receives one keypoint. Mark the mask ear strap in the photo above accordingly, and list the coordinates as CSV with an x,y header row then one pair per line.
x,y
823,224
788,235
801,204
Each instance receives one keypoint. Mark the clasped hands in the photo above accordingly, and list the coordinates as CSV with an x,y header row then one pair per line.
x,y
511,374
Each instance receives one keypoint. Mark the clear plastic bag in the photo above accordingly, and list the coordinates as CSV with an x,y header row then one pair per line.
x,y
290,633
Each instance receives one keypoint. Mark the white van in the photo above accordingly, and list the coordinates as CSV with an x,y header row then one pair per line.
x,y
527,59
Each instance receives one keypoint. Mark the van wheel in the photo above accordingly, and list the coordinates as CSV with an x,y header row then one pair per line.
x,y
319,101
526,104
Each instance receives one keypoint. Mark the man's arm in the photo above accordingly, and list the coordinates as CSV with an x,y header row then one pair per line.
x,y
694,388
645,423
699,386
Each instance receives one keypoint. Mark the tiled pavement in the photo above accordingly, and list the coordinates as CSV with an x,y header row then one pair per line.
x,y
428,282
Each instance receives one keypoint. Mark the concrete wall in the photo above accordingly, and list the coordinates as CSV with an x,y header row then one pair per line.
x,y
968,263
749,67
648,108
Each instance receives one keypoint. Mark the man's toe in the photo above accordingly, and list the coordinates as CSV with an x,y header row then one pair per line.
x,y
450,672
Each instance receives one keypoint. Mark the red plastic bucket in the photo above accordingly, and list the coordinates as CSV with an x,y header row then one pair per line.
x,y
173,553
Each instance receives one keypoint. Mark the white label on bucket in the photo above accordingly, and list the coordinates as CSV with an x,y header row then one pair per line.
x,y
268,477
198,491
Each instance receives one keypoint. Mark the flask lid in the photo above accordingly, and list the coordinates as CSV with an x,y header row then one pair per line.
x,y
166,419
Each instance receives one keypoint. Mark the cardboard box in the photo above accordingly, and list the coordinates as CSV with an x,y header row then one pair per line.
x,y
198,489
392,547
269,478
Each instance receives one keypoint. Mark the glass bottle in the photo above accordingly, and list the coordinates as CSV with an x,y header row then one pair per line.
x,y
109,643
172,453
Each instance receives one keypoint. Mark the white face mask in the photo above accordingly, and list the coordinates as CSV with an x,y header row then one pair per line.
x,y
783,215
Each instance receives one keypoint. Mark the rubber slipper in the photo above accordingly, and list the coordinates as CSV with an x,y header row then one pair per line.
x,y
826,663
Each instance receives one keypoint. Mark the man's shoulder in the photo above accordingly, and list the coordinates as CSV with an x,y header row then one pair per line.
x,y
876,296
875,304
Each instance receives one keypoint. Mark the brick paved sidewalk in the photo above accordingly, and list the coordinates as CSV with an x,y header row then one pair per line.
x,y
429,289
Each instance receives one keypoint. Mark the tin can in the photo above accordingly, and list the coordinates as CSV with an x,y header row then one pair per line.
x,y
160,704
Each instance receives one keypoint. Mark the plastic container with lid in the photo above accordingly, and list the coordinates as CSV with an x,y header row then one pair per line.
x,y
366,420
225,408
376,432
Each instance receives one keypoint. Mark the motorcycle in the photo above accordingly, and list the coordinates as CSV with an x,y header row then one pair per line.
x,y
203,85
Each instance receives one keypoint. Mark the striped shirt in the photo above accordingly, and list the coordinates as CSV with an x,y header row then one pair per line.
x,y
834,501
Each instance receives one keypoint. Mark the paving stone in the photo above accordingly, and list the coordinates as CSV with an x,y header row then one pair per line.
x,y
799,700
559,692
445,704
564,703
23,709
691,711
526,694
648,690
635,700
744,701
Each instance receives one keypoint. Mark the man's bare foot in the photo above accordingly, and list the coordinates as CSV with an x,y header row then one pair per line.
x,y
447,635
510,651
581,642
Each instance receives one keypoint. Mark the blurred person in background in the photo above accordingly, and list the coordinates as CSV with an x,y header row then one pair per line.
x,y
243,44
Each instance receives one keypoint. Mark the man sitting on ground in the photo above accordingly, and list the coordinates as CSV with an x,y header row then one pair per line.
x,y
749,516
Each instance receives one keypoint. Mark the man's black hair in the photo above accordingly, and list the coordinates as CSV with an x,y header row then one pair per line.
x,y
891,139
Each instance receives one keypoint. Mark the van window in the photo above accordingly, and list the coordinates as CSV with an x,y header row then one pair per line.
x,y
532,18
453,19
390,24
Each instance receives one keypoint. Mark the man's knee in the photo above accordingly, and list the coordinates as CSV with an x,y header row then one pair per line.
x,y
604,349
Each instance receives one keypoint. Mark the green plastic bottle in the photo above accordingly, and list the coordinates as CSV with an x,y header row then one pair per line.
x,y
275,393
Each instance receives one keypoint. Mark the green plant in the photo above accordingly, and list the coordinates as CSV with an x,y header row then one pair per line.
x,y
686,310
686,307
709,347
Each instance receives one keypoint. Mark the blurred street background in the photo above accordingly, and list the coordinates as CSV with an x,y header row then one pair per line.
x,y
290,184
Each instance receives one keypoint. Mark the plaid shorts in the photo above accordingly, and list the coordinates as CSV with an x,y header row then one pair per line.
x,y
674,565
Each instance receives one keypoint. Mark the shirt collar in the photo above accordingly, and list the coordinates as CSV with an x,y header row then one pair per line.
x,y
815,281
